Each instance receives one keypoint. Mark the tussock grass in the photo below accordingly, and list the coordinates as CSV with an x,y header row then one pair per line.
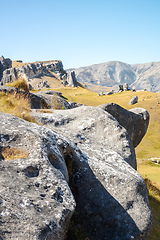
x,y
16,104
56,103
9,153
19,83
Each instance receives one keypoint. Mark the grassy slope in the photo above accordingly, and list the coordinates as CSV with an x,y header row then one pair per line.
x,y
149,146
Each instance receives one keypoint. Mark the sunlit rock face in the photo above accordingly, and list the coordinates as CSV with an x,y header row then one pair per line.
x,y
33,70
111,197
35,199
5,63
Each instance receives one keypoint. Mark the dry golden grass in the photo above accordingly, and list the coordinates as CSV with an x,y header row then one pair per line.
x,y
9,153
19,83
45,111
17,105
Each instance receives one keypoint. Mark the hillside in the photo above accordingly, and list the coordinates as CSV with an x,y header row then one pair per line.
x,y
138,76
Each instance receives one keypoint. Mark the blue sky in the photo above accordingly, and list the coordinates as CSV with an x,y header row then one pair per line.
x,y
80,33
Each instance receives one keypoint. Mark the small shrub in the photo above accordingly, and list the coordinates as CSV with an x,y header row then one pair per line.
x,y
19,83
56,103
16,104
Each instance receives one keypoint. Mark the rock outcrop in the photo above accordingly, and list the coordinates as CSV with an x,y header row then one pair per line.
x,y
35,199
5,63
33,70
71,79
135,121
111,197
36,70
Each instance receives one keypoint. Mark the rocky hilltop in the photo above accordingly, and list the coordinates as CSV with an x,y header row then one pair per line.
x,y
37,70
138,76
77,161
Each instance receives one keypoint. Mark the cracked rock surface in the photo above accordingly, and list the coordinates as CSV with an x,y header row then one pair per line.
x,y
111,197
135,120
35,199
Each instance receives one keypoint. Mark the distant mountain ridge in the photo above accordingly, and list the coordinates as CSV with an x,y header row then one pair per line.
x,y
108,74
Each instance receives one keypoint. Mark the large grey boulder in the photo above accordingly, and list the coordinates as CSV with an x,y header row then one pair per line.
x,y
89,126
135,121
35,199
111,197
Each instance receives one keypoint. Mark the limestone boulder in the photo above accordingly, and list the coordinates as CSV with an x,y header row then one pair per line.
x,y
111,197
135,121
86,148
89,126
35,199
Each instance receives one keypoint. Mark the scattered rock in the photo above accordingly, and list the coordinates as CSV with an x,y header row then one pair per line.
x,y
110,92
73,104
116,89
135,121
125,87
134,100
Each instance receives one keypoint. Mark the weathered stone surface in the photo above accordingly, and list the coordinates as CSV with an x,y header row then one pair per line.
x,y
134,100
73,104
71,79
111,198
110,195
88,126
135,121
5,63
35,200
